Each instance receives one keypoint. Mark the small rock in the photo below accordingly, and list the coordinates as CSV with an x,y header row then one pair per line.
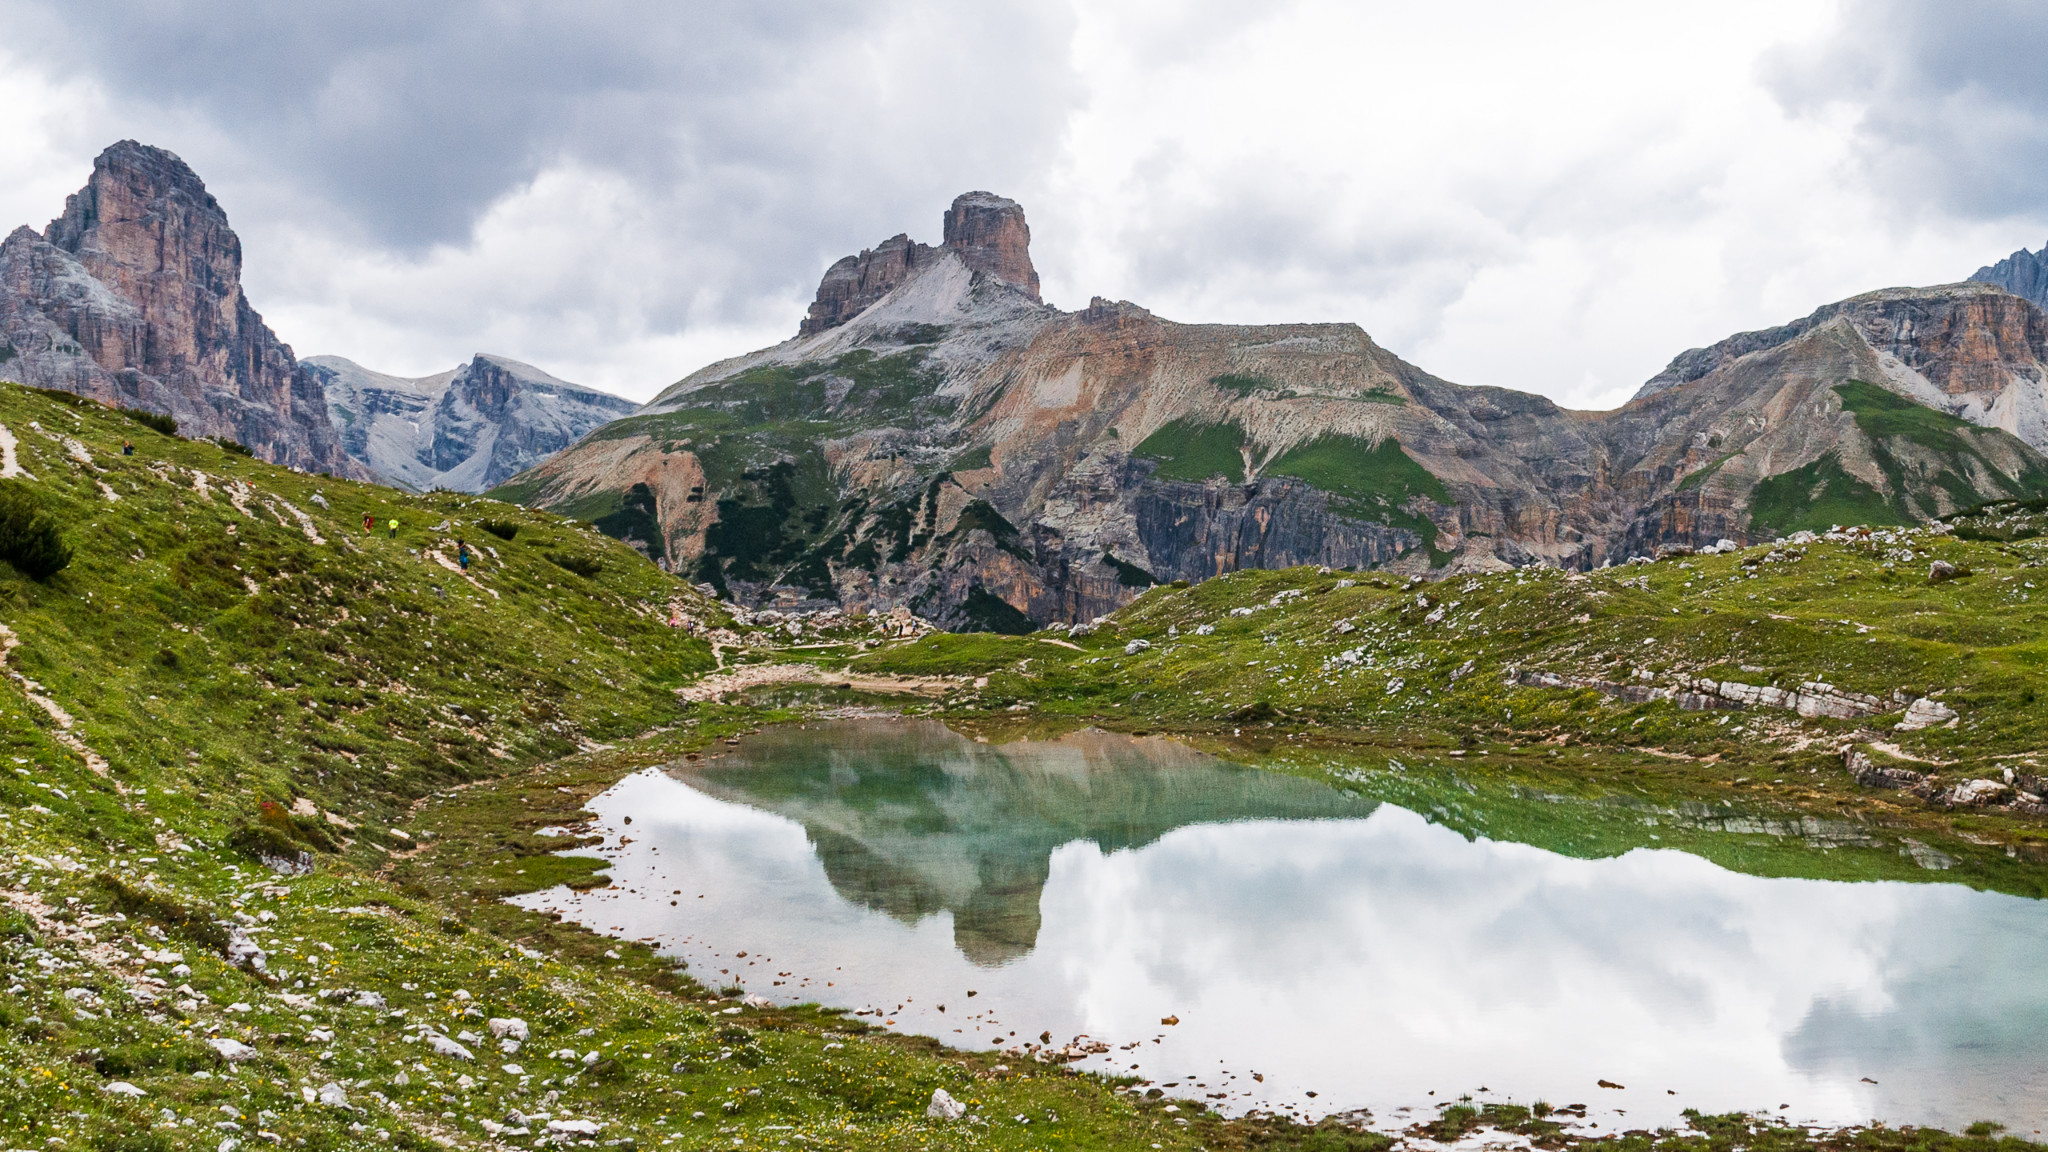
x,y
123,1088
1925,713
368,999
1941,570
444,1046
1976,793
508,1026
574,1127
332,1095
944,1107
1136,646
1205,629
757,1002
514,1070
232,1051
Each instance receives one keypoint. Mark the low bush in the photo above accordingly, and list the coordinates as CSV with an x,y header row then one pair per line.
x,y
584,566
30,538
160,421
502,529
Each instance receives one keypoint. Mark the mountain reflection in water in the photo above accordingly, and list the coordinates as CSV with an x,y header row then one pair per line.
x,y
1363,952
913,818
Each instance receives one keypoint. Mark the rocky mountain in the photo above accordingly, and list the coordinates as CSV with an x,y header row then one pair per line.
x,y
2023,273
937,437
134,297
467,429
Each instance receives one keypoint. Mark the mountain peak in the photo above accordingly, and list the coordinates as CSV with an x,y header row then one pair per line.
x,y
2023,273
989,233
986,231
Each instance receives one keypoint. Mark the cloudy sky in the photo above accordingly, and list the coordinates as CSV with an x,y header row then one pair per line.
x,y
1555,198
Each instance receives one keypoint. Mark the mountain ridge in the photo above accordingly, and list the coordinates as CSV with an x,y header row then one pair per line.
x,y
466,429
959,448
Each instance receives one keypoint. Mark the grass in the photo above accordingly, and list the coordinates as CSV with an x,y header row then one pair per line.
x,y
1195,452
1369,481
1814,498
218,676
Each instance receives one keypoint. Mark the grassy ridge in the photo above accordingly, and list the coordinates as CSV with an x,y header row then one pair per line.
x,y
1414,693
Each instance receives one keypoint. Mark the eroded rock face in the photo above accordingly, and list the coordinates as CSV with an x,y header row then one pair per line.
x,y
985,231
134,297
467,429
854,283
989,233
1974,350
957,448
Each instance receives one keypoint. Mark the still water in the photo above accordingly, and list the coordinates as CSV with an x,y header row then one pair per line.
x,y
1351,953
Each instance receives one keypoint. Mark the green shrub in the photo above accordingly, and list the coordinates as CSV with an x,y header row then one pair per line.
x,y
584,566
235,446
502,529
160,421
29,536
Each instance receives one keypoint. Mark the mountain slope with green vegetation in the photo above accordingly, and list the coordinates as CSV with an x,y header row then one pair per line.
x,y
271,776
230,671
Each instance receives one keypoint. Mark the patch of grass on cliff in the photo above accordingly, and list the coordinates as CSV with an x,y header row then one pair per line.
x,y
1885,416
1881,413
1816,497
1705,473
1366,480
1240,385
1194,452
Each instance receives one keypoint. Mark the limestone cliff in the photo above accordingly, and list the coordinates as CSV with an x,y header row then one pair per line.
x,y
467,429
951,444
2023,274
134,297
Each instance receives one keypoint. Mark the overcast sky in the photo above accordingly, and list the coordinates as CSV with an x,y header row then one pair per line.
x,y
1557,198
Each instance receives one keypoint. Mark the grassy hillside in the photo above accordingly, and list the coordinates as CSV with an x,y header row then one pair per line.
x,y
232,670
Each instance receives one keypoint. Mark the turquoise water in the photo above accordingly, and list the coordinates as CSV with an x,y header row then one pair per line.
x,y
1095,884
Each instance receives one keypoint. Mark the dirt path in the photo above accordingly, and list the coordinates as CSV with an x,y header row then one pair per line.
x,y
762,675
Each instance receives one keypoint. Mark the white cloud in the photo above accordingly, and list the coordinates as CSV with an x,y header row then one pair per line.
x,y
1554,200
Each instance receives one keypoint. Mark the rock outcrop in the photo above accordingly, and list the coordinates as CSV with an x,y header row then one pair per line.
x,y
2024,274
989,233
466,429
1973,350
134,297
950,444
986,232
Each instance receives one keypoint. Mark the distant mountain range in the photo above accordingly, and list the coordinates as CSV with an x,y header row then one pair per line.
x,y
936,436
466,429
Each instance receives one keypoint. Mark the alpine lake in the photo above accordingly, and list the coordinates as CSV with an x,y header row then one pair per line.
x,y
1384,939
